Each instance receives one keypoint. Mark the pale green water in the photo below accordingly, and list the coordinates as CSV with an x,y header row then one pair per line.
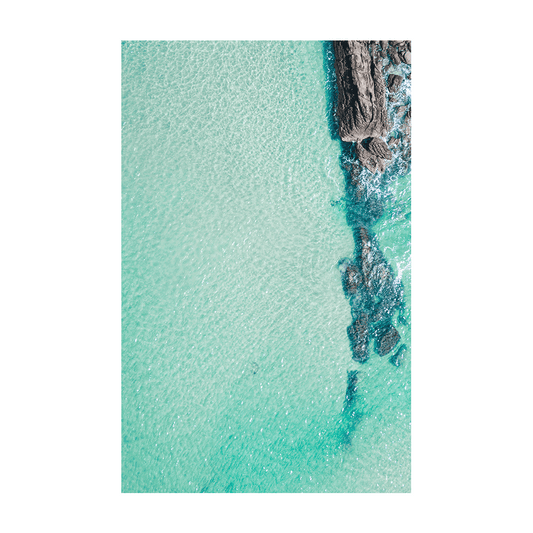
x,y
235,350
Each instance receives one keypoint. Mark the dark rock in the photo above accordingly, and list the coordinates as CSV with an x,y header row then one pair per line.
x,y
397,358
367,159
361,108
390,299
386,339
376,51
357,182
376,274
394,56
394,82
367,258
352,279
408,45
387,67
408,76
379,148
382,311
374,206
384,48
359,337
406,57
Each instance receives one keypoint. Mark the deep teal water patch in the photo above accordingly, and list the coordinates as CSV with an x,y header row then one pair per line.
x,y
235,353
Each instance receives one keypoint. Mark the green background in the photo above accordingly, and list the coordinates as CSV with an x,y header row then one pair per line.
x,y
480,255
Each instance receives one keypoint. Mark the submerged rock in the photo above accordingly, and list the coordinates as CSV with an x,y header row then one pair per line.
x,y
364,207
352,279
390,300
361,106
397,358
351,388
376,271
386,339
359,337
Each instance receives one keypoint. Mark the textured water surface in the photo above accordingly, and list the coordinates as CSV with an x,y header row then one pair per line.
x,y
235,353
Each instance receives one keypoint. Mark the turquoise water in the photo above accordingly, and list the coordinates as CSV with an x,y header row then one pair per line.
x,y
235,353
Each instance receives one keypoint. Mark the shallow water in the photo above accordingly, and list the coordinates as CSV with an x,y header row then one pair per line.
x,y
235,353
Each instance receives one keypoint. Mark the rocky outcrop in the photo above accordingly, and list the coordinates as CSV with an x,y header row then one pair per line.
x,y
367,278
394,82
361,106
367,159
375,156
394,56
406,57
374,296
379,148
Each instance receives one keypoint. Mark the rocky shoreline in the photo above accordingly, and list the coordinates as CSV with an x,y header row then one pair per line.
x,y
373,114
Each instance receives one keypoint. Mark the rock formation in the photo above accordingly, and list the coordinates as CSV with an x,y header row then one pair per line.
x,y
394,82
352,279
361,92
386,339
379,148
370,147
359,338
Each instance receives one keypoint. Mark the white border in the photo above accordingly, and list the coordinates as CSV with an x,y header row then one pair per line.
x,y
112,33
